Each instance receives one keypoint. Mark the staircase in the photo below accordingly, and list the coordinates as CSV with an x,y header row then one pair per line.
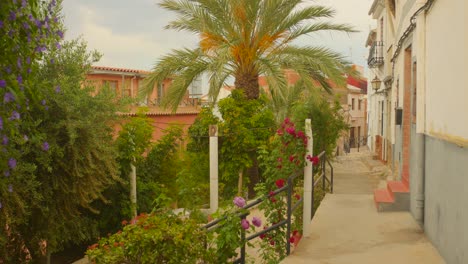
x,y
393,198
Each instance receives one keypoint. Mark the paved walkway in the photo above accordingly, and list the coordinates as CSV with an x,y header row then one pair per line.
x,y
347,228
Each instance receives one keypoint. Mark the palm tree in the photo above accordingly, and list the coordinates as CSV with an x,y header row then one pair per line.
x,y
243,39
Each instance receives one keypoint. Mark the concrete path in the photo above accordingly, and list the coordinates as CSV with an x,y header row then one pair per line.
x,y
347,228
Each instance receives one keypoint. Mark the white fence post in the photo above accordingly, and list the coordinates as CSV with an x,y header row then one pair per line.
x,y
213,130
133,189
307,209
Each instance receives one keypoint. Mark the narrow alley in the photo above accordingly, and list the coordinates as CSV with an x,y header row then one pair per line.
x,y
348,229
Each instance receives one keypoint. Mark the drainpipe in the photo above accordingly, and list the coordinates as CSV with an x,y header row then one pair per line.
x,y
419,180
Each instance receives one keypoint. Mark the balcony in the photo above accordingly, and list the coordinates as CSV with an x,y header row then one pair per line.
x,y
376,58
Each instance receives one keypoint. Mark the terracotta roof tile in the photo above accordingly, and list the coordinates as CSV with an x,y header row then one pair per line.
x,y
104,68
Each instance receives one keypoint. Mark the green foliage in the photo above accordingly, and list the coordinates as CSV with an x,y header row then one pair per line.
x,y
21,92
247,124
134,139
161,237
73,152
280,159
198,131
327,121
193,180
157,173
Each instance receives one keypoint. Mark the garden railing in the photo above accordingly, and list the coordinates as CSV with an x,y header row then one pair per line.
x,y
320,178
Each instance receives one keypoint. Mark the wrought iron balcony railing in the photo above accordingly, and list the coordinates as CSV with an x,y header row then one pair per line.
x,y
376,58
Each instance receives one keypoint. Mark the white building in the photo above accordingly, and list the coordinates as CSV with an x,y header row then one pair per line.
x,y
424,55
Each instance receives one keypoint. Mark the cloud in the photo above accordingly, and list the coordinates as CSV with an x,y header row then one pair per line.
x,y
131,34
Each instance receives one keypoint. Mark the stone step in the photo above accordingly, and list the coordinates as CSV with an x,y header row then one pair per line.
x,y
395,197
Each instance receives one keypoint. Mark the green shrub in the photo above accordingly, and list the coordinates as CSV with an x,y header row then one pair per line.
x,y
161,237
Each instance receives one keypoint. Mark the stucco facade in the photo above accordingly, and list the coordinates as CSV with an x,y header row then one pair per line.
x,y
427,44
127,82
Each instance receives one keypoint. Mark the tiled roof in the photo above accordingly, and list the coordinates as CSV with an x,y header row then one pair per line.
x,y
114,69
156,111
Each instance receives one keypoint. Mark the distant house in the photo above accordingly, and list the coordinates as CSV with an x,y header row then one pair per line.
x,y
127,82
418,115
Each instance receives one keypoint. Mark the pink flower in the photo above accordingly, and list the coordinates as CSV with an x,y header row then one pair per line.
x,y
287,120
245,224
297,196
291,158
292,240
279,183
300,134
291,131
239,201
256,221
315,160
279,132
280,160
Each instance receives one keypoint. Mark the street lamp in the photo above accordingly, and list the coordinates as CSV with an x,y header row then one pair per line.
x,y
376,83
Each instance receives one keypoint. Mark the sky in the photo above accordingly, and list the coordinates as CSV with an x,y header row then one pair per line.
x,y
131,34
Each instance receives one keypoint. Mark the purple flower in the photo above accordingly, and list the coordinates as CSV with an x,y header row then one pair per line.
x,y
12,163
8,97
1,123
23,3
245,224
1,24
3,83
18,63
256,221
25,25
5,140
19,79
43,102
57,45
57,89
45,146
10,188
239,201
38,23
60,33
7,173
12,16
15,115
28,60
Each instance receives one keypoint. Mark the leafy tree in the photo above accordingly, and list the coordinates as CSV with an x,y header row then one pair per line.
x,y
327,121
245,39
29,29
75,157
247,124
157,185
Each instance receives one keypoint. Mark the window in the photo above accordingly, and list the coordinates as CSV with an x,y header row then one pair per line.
x,y
359,104
352,104
111,84
127,88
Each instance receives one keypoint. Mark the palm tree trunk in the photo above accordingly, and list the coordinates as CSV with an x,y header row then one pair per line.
x,y
248,83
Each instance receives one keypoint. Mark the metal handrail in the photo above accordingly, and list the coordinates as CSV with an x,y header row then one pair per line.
x,y
321,177
290,208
